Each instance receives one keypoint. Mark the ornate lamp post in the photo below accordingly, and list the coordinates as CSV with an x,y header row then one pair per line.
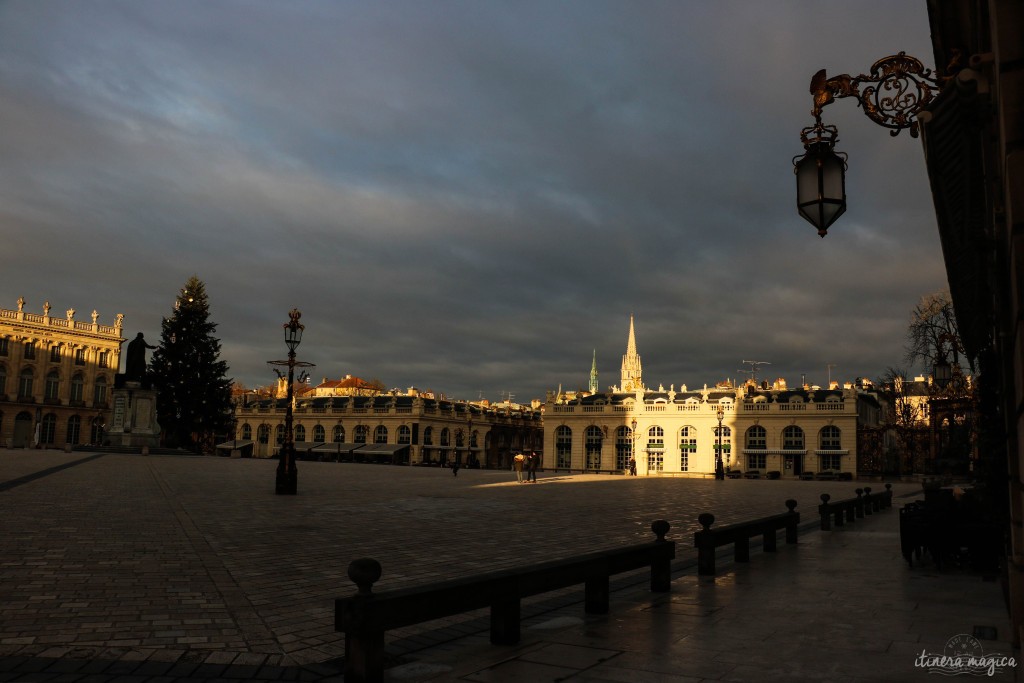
x,y
896,92
287,472
719,468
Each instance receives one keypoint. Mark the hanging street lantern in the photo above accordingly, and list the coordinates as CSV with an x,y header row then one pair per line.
x,y
820,178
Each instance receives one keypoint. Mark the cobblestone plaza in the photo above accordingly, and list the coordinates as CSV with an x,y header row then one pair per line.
x,y
163,564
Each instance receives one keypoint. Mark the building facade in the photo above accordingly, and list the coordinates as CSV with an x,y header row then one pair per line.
x,y
403,429
56,377
792,432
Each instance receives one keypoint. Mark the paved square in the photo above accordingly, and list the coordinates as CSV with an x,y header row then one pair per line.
x,y
177,559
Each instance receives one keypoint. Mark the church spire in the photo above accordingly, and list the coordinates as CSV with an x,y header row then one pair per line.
x,y
631,367
593,374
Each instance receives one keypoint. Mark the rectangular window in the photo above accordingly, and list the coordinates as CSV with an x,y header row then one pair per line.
x,y
563,447
3,346
103,359
55,354
757,461
79,356
686,448
831,462
30,351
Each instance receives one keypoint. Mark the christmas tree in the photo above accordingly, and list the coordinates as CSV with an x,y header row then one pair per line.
x,y
194,392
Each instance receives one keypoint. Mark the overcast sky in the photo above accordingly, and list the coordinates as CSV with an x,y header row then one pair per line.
x,y
469,197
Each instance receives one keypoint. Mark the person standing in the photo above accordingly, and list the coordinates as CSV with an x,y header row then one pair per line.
x,y
455,467
632,466
531,474
517,465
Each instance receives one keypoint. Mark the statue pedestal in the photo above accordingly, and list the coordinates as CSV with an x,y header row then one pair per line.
x,y
133,421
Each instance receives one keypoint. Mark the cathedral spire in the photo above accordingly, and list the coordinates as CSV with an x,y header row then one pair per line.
x,y
631,367
593,374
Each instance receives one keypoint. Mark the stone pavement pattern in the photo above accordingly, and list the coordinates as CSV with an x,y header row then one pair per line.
x,y
164,568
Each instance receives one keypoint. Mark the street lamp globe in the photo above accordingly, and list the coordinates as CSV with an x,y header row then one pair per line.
x,y
820,184
293,330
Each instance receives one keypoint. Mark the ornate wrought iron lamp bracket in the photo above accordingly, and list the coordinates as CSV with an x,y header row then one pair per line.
x,y
895,91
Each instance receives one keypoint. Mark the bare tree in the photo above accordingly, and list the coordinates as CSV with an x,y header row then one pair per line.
x,y
933,331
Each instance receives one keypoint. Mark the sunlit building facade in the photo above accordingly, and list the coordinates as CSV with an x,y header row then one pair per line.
x,y
767,431
56,377
408,429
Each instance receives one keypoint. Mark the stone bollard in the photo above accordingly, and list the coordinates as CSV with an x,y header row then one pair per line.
x,y
825,512
364,645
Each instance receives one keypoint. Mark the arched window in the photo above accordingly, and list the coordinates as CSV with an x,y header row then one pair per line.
x,y
792,438
757,438
459,438
380,434
428,436
360,433
319,435
263,434
279,435
300,433
246,434
77,388
339,434
48,432
592,443
830,438
446,437
563,446
404,434
74,430
687,447
25,380
3,379
623,447
655,449
52,385
99,392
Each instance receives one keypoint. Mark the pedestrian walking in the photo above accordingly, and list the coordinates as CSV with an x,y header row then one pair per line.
x,y
517,464
455,468
632,466
531,471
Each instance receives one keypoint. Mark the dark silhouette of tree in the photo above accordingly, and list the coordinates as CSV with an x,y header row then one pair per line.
x,y
194,392
933,332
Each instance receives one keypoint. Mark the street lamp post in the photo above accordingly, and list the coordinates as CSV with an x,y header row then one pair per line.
x,y
287,472
719,468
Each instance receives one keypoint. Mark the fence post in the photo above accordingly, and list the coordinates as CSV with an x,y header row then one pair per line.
x,y
870,504
505,617
661,567
597,588
859,505
705,545
364,643
887,496
791,525
825,513
742,551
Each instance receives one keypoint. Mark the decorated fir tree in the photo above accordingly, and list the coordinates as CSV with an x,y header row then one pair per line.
x,y
194,392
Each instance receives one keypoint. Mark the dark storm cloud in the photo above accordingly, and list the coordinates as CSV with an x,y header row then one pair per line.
x,y
464,196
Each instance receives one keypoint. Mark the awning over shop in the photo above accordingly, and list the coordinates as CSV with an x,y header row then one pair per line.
x,y
232,445
337,447
382,448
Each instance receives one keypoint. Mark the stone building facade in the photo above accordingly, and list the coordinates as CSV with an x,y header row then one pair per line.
x,y
795,432
395,428
56,377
